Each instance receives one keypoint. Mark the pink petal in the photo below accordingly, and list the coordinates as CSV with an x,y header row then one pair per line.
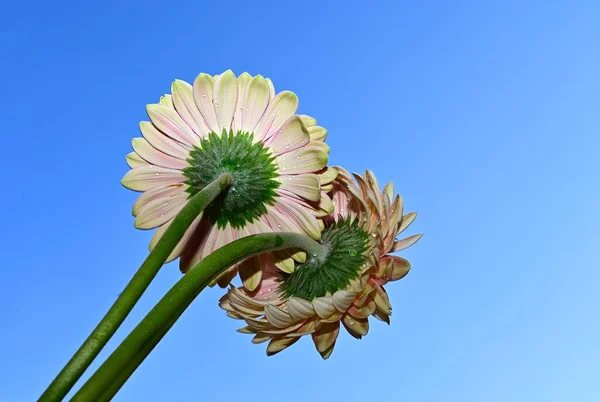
x,y
165,191
183,100
306,186
163,143
203,96
281,108
154,156
146,177
304,160
253,105
160,210
405,243
225,96
243,83
168,121
291,136
296,216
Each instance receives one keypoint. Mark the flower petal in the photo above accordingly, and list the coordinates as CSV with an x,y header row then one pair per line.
x,y
305,160
203,96
296,216
278,344
165,191
299,308
253,105
163,143
317,133
134,160
225,95
406,221
260,338
325,338
308,121
324,306
160,210
305,185
357,327
183,100
250,273
166,100
397,267
168,121
154,156
329,175
281,108
291,136
146,177
287,265
271,88
342,299
404,243
243,83
278,317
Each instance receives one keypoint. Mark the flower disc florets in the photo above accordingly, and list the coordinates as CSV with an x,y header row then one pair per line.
x,y
254,175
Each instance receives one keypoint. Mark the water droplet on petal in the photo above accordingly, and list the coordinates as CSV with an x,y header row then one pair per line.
x,y
351,322
373,235
314,254
204,94
269,289
279,226
158,174
287,146
226,93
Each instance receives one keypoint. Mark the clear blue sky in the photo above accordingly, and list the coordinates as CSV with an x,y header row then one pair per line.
x,y
485,114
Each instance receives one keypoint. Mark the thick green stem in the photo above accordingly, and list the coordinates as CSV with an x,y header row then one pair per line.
x,y
133,291
115,371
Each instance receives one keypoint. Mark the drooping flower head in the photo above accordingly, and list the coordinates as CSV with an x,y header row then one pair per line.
x,y
237,125
346,287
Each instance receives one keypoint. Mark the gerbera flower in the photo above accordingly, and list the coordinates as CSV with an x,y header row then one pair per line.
x,y
238,125
346,287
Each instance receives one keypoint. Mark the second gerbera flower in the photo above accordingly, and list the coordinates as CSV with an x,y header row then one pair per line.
x,y
237,125
345,287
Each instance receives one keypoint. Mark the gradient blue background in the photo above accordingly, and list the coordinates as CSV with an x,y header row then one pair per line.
x,y
485,115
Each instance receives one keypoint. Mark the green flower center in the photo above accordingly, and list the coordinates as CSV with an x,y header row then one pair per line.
x,y
347,243
254,176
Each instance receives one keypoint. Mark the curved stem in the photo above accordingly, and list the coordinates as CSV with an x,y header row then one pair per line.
x,y
84,356
115,371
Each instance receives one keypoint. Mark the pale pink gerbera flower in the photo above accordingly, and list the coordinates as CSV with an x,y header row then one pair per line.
x,y
344,287
237,125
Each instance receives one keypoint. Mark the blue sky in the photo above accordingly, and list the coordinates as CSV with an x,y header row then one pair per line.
x,y
483,113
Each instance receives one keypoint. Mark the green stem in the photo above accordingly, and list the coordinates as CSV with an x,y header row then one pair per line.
x,y
115,371
84,356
